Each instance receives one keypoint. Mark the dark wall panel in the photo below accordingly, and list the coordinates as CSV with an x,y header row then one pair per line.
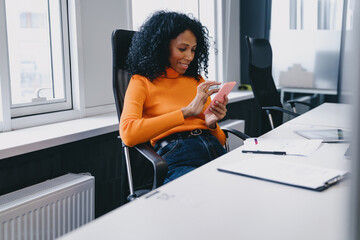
x,y
254,22
100,156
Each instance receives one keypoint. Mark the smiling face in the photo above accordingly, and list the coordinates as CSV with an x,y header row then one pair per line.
x,y
182,51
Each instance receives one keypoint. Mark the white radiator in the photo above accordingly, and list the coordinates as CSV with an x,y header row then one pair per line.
x,y
49,209
236,124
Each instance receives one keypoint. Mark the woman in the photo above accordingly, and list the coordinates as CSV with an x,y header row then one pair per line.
x,y
166,96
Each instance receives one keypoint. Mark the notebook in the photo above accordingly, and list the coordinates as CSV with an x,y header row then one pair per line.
x,y
334,135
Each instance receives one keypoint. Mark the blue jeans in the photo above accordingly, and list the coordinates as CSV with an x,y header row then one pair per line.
x,y
185,154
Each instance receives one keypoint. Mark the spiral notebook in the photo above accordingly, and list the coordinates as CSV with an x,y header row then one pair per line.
x,y
279,170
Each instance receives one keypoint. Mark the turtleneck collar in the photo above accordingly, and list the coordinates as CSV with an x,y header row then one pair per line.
x,y
171,73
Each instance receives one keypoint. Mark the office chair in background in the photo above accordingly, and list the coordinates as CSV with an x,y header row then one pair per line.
x,y
262,82
142,177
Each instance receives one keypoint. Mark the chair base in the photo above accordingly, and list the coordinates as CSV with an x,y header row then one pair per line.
x,y
137,194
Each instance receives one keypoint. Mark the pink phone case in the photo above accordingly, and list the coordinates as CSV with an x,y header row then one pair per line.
x,y
224,91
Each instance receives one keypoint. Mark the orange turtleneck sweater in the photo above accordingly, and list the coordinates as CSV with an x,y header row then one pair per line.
x,y
152,110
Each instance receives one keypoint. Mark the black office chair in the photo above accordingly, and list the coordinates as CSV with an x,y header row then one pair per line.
x,y
140,177
262,82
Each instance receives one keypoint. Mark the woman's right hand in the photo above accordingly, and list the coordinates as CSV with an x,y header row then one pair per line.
x,y
198,103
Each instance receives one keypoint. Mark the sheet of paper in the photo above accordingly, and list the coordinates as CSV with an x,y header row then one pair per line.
x,y
291,147
283,171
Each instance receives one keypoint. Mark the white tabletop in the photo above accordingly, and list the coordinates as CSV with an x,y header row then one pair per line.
x,y
208,204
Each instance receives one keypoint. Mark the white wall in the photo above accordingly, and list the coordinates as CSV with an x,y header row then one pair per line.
x,y
98,20
231,36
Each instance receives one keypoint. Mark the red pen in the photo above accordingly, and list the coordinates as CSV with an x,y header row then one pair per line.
x,y
256,141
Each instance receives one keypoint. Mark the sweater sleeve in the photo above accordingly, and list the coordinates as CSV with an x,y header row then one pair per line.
x,y
134,128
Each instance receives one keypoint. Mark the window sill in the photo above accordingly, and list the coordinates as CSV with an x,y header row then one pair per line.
x,y
240,95
36,138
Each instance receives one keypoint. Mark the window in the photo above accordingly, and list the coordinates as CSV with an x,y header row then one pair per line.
x,y
326,14
307,33
37,57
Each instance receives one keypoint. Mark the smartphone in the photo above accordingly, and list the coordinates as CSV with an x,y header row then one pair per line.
x,y
224,91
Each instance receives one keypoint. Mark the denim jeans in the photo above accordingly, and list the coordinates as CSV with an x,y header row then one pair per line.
x,y
185,154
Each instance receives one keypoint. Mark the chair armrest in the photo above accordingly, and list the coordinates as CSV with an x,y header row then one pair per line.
x,y
237,133
292,103
159,164
301,100
281,110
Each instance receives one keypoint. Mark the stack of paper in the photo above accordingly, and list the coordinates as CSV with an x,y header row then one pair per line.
x,y
281,147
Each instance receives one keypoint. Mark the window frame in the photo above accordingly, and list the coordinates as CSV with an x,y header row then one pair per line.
x,y
48,106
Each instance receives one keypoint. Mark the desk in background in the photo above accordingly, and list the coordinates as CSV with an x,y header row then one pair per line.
x,y
292,91
208,204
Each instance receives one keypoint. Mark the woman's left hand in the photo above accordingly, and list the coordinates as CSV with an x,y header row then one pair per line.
x,y
218,112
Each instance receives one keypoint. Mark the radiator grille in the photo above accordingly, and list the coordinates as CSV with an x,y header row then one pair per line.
x,y
47,210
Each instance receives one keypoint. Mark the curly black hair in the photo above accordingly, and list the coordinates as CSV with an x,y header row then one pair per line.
x,y
149,51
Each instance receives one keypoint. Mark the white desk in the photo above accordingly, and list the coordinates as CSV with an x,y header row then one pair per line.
x,y
208,204
283,90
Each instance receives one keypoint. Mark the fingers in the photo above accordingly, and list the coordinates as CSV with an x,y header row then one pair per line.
x,y
219,109
197,104
204,90
226,100
206,85
212,91
221,105
218,112
209,83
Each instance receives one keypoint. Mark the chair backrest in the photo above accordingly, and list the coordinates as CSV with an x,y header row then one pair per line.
x,y
260,76
142,156
121,41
